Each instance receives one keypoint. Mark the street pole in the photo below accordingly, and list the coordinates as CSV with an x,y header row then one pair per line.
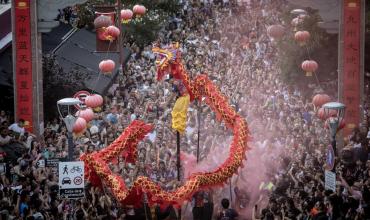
x,y
198,114
178,154
178,164
231,192
69,121
119,25
70,146
334,145
334,122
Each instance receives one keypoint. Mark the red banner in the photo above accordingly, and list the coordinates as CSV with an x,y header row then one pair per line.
x,y
23,65
351,63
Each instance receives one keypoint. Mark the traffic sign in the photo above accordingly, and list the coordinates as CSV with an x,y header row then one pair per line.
x,y
330,158
81,95
71,179
40,163
52,163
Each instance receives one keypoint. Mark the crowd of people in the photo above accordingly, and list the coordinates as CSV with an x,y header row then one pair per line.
x,y
283,176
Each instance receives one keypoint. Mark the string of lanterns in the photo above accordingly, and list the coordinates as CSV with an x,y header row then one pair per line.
x,y
302,37
106,31
93,103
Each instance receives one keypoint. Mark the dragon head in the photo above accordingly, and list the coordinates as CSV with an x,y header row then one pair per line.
x,y
165,57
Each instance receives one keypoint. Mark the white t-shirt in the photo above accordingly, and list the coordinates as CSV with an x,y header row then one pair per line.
x,y
15,127
5,140
133,117
54,127
151,136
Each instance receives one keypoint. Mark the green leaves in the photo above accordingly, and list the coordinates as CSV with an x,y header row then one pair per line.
x,y
143,30
291,54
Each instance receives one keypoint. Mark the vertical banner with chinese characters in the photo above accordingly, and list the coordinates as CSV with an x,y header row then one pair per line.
x,y
351,96
23,66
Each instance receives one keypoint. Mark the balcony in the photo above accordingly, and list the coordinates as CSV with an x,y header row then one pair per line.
x,y
4,7
6,25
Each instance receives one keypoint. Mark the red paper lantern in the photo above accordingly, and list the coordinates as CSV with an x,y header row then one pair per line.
x,y
79,125
107,66
94,101
341,125
87,114
323,115
139,10
102,21
112,32
302,37
309,66
126,16
320,99
275,31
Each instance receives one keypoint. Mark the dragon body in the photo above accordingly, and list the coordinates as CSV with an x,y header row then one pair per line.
x,y
96,164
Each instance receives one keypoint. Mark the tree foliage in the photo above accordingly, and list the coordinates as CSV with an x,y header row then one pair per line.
x,y
59,84
322,48
141,31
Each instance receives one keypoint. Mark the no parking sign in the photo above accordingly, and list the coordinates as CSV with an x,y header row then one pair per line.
x,y
81,95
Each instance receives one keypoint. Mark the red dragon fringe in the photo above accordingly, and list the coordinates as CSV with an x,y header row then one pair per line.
x,y
98,172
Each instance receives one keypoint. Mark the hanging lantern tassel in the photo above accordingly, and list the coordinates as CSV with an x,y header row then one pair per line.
x,y
125,21
97,109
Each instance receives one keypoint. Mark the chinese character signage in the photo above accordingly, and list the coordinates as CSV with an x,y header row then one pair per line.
x,y
351,62
23,66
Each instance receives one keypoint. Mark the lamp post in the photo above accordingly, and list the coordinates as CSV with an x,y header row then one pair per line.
x,y
298,11
334,120
69,120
